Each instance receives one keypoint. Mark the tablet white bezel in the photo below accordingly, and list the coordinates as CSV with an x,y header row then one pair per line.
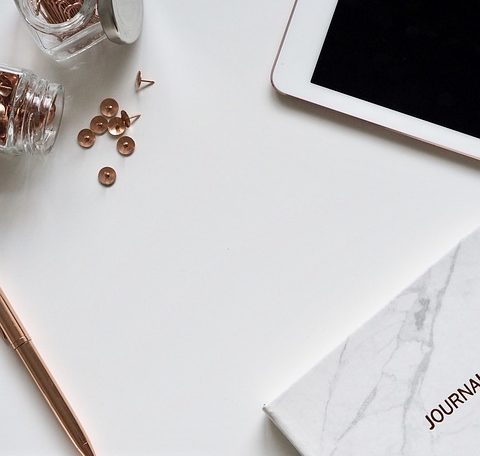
x,y
295,64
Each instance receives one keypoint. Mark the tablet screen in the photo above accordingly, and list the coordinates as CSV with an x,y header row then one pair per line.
x,y
419,57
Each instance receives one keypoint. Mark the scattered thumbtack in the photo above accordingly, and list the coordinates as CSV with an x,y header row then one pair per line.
x,y
86,138
99,125
127,120
126,146
116,127
139,81
107,176
109,108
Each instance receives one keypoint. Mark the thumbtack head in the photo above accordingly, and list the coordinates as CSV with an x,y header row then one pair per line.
x,y
127,120
116,127
99,125
107,176
10,78
126,146
139,81
3,130
52,112
5,89
86,138
109,107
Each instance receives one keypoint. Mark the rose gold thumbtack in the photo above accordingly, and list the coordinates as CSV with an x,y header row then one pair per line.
x,y
127,120
107,176
116,127
9,79
5,89
99,125
52,112
139,81
86,138
126,146
3,130
109,108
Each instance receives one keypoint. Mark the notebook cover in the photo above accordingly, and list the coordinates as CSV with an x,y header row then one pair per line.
x,y
406,383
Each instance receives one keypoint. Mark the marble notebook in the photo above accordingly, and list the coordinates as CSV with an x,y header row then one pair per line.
x,y
406,383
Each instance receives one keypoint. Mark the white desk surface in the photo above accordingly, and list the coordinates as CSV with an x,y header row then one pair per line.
x,y
246,237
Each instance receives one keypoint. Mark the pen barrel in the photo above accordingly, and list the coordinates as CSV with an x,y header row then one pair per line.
x,y
54,397
13,331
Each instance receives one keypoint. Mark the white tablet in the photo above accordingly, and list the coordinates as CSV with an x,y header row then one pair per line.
x,y
412,65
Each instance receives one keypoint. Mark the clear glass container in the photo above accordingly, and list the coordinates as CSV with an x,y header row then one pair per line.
x,y
63,28
31,111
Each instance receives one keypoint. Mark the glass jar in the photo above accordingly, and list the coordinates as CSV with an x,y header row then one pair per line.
x,y
65,28
31,111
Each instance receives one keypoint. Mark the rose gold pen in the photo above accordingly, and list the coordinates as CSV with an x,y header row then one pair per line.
x,y
15,335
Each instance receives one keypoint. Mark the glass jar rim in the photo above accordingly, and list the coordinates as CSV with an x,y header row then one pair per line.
x,y
77,21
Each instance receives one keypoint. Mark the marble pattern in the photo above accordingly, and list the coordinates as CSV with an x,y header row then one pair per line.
x,y
372,394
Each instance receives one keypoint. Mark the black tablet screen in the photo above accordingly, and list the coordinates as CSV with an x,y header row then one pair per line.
x,y
419,57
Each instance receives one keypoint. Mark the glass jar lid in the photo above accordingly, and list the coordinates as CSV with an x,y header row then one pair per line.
x,y
122,20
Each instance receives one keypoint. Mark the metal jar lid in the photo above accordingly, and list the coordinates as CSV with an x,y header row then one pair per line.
x,y
121,20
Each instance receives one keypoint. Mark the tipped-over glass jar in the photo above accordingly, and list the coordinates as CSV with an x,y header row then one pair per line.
x,y
30,112
65,28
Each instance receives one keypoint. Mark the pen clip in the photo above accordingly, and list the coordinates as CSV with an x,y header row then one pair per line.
x,y
11,327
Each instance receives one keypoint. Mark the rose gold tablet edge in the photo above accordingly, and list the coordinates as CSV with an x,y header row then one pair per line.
x,y
416,138
280,49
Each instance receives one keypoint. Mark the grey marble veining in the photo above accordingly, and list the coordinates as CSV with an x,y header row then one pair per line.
x,y
383,390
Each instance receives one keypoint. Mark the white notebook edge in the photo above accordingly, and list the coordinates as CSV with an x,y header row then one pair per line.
x,y
293,437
